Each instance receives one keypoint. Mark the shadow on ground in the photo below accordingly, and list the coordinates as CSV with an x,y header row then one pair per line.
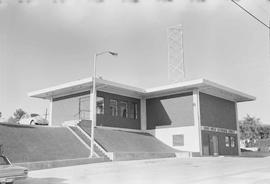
x,y
51,180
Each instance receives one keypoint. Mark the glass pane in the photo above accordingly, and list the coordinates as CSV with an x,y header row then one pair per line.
x,y
227,141
100,105
113,107
136,111
84,112
133,111
122,109
232,142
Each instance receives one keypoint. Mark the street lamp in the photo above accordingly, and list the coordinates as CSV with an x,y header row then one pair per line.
x,y
94,96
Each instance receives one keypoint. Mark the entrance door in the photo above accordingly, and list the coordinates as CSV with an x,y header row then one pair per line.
x,y
213,140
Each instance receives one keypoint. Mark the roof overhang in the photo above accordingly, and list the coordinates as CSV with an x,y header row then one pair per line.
x,y
202,85
85,85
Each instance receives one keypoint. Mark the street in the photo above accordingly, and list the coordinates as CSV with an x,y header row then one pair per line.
x,y
170,171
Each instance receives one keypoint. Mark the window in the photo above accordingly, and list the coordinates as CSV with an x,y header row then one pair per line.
x,y
113,107
84,112
232,142
178,140
122,109
100,105
133,111
227,141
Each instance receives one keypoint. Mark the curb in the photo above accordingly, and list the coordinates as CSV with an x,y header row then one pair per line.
x,y
59,163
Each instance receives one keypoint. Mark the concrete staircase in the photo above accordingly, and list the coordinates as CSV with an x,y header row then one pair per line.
x,y
128,145
86,139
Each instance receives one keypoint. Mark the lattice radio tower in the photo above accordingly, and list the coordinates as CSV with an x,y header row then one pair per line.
x,y
176,65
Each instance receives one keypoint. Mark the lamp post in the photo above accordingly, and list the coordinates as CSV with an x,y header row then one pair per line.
x,y
94,96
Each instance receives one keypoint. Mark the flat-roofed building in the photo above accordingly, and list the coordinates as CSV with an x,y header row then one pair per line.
x,y
198,116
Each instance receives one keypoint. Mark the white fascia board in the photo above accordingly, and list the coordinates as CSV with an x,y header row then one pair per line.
x,y
60,87
75,85
230,90
79,85
186,84
119,85
200,84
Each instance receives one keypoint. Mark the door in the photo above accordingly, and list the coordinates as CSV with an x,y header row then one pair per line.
x,y
213,140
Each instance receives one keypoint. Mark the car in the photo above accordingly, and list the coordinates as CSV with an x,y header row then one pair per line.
x,y
33,119
9,173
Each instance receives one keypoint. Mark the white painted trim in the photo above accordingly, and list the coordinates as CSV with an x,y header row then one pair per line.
x,y
230,90
61,87
168,94
83,83
108,154
143,114
238,129
82,141
78,137
201,84
197,118
51,111
220,130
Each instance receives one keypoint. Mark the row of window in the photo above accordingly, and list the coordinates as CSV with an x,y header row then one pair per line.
x,y
229,141
119,108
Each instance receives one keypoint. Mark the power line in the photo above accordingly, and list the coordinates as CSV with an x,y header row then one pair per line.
x,y
251,14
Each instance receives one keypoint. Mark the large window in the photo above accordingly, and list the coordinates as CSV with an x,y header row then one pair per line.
x,y
113,107
123,109
133,110
84,112
100,105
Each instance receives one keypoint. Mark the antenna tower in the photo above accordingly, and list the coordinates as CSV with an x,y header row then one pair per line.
x,y
176,65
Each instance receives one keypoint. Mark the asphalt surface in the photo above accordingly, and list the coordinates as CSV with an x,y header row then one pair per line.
x,y
161,171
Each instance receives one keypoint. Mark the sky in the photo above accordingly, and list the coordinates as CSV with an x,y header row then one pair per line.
x,y
43,44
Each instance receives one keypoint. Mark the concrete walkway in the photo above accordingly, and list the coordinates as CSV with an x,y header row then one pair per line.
x,y
170,171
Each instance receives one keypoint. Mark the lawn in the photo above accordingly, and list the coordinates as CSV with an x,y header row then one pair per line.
x,y
24,143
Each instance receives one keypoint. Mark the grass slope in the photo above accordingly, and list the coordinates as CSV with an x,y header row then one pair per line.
x,y
124,141
33,143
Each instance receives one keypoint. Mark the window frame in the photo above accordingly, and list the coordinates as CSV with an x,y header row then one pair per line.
x,y
227,141
232,141
133,110
121,113
103,105
116,107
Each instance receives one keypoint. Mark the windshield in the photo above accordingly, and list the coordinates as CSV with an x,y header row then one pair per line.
x,y
34,115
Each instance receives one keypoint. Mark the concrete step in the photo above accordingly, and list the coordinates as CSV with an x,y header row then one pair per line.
x,y
88,141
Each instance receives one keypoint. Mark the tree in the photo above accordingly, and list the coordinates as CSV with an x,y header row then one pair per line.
x,y
18,114
11,120
252,130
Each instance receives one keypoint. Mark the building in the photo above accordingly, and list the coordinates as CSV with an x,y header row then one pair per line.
x,y
198,116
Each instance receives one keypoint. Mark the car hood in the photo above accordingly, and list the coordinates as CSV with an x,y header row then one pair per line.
x,y
11,170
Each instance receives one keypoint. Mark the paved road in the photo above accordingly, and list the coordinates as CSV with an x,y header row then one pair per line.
x,y
170,171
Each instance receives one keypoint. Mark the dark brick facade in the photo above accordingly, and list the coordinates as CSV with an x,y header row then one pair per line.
x,y
217,112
